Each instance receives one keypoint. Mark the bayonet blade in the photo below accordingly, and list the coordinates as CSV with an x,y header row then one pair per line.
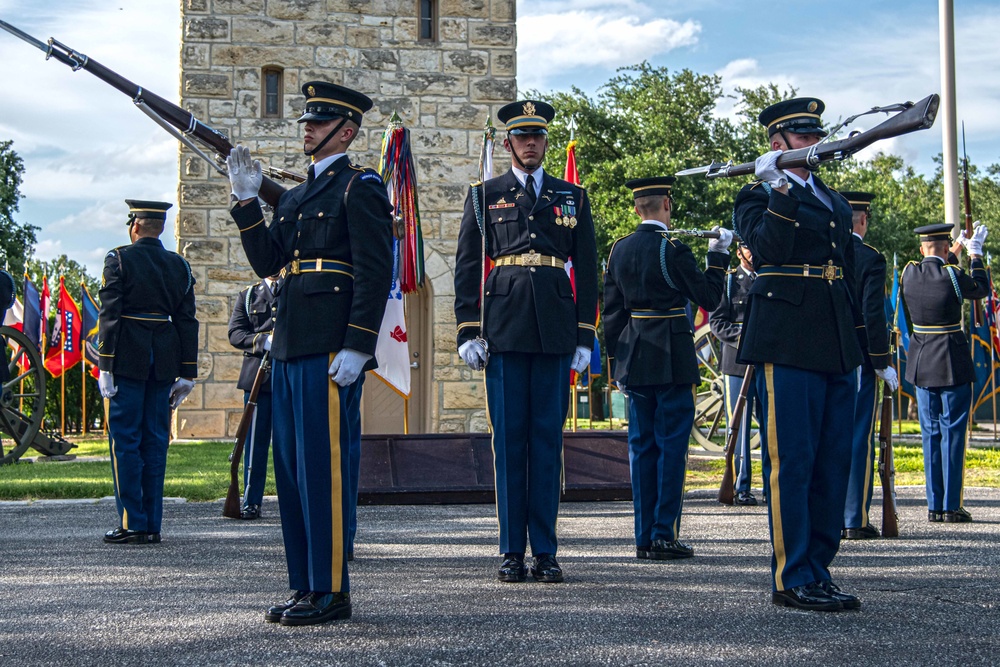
x,y
25,36
708,169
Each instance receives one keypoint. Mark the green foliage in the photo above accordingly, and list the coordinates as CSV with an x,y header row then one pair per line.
x,y
16,241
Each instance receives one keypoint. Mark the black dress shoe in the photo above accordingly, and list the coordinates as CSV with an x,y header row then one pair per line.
x,y
961,515
250,512
663,550
546,570
866,533
846,599
153,538
809,597
122,536
642,552
935,516
512,569
318,608
274,612
745,498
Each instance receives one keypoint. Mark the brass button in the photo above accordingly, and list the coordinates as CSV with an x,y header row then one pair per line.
x,y
487,293
500,219
300,216
320,215
833,224
532,269
770,293
532,235
296,253
282,219
796,224
834,245
336,288
531,217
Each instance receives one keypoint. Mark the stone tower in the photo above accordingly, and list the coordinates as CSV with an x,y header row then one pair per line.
x,y
442,65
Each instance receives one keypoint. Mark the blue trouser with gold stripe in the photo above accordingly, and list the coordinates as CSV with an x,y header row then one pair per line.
x,y
255,450
659,427
138,433
741,457
861,480
527,396
806,440
944,420
315,422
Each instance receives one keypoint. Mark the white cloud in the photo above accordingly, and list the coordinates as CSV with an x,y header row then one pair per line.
x,y
601,35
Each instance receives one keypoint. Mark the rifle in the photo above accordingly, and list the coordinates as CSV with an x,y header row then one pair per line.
x,y
180,123
977,308
886,467
726,490
911,117
231,508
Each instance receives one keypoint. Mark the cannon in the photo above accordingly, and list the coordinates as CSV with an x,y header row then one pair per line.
x,y
22,401
710,402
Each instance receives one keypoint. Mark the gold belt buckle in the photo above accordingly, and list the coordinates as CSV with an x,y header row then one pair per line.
x,y
829,272
805,270
531,259
294,267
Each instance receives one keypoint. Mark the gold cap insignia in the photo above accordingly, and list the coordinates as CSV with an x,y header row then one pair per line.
x,y
529,109
311,91
812,107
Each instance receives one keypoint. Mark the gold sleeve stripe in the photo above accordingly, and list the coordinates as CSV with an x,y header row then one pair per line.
x,y
246,229
581,325
464,325
780,216
374,333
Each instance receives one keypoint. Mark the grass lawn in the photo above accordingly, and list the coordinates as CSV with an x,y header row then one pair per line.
x,y
199,471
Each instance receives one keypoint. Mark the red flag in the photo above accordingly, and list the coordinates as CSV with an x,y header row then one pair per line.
x,y
66,350
571,174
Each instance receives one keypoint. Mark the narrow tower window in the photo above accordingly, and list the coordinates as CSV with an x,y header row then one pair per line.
x,y
428,20
271,86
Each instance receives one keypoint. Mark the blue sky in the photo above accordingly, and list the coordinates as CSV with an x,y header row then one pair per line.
x,y
86,148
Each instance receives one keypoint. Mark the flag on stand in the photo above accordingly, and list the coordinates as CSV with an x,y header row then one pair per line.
x,y
14,318
32,326
900,319
66,350
896,318
46,306
90,313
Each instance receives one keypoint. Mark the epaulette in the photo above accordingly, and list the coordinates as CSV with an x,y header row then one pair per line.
x,y
871,246
616,243
755,184
666,235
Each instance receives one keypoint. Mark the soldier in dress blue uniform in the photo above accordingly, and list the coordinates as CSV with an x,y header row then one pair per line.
x,y
250,328
535,330
148,359
939,361
333,237
870,270
805,335
726,322
650,278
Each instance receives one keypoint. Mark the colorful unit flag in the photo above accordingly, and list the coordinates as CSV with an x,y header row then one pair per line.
x,y
66,350
32,326
89,330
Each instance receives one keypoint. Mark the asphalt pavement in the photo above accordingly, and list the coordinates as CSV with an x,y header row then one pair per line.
x,y
425,592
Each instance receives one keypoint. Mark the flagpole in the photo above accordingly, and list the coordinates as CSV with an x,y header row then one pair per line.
x,y
83,393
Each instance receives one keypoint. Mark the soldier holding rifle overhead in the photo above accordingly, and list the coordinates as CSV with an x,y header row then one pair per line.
x,y
332,235
650,279
804,334
148,358
870,284
726,322
536,330
939,361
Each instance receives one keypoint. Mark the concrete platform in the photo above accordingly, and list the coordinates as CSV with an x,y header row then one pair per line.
x,y
425,592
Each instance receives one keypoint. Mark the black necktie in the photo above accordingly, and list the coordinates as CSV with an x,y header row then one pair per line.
x,y
529,185
312,175
810,190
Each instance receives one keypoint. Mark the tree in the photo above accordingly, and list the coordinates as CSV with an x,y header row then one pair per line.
x,y
16,240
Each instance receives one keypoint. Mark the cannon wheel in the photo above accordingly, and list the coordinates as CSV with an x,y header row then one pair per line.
x,y
21,412
710,404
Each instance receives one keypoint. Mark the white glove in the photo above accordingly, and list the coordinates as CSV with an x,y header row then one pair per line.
x,y
857,375
766,169
245,175
267,342
581,359
975,244
621,387
347,365
473,354
722,243
179,390
106,383
888,374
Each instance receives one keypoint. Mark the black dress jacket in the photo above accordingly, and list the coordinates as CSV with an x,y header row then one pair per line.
x,y
252,320
811,323
939,354
650,279
147,327
726,321
528,308
344,217
870,270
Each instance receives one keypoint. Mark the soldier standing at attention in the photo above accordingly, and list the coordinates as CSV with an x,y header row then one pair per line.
x,y
804,333
870,271
148,359
250,328
939,361
726,323
535,330
333,235
650,279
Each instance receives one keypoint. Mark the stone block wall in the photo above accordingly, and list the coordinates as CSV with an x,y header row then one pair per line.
x,y
443,90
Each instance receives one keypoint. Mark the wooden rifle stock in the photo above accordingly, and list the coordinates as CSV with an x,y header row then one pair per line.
x,y
726,489
182,120
231,508
886,467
